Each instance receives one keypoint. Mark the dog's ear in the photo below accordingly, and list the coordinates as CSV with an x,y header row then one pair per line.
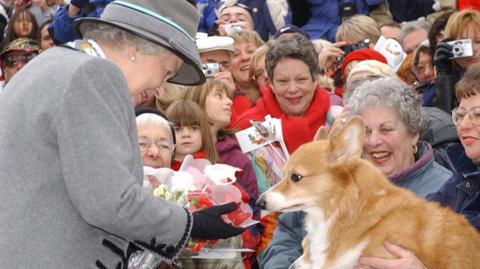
x,y
346,142
321,133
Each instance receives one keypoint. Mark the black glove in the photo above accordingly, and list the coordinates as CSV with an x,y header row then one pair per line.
x,y
442,56
79,3
208,224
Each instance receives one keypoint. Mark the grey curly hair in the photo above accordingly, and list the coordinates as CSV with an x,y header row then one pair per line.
x,y
294,46
392,93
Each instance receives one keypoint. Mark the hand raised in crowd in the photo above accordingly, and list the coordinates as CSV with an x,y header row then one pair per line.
x,y
406,259
225,32
208,223
442,57
227,79
329,55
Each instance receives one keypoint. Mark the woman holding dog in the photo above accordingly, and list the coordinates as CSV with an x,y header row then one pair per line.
x,y
392,114
462,192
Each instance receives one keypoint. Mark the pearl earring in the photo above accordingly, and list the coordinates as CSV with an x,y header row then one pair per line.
x,y
132,58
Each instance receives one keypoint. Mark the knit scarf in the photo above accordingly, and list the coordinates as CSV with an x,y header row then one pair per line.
x,y
298,130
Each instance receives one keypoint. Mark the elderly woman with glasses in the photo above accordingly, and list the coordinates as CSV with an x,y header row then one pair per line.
x,y
462,191
70,162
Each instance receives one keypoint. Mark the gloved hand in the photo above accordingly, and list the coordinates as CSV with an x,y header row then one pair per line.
x,y
442,56
79,3
208,224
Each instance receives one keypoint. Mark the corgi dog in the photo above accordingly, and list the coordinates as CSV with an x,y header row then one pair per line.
x,y
352,208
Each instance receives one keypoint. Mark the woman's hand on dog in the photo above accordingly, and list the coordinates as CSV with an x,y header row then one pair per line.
x,y
406,259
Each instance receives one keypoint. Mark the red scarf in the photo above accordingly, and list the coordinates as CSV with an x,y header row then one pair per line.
x,y
198,155
297,130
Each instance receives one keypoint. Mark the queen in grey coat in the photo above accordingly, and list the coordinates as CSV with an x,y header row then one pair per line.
x,y
70,168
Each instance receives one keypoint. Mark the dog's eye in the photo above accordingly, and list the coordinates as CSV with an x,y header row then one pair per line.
x,y
295,177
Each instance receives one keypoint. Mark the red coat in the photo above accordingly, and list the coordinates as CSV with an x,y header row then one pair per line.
x,y
296,130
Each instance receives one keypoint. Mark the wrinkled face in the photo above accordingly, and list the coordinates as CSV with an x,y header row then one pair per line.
x,y
411,41
235,14
471,32
149,73
387,145
156,147
221,57
189,140
46,41
23,26
469,133
293,86
15,61
425,67
241,63
218,107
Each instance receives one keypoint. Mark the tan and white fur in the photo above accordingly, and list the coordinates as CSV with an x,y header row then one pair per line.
x,y
352,208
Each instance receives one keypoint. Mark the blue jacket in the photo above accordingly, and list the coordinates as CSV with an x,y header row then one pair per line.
x,y
62,25
286,245
461,192
325,17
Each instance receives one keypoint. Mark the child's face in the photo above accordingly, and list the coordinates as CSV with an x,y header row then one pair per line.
x,y
189,140
218,107
23,25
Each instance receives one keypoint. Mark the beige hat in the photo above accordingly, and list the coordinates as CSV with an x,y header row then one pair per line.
x,y
372,67
211,43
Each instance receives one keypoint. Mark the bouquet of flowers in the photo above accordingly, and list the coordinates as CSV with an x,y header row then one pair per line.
x,y
199,184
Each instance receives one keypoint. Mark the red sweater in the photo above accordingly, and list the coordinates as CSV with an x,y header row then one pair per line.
x,y
296,130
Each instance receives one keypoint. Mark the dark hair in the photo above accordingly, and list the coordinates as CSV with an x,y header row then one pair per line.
x,y
10,34
469,85
438,26
295,46
39,32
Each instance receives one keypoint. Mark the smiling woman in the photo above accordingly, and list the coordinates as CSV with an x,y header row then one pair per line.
x,y
393,117
291,63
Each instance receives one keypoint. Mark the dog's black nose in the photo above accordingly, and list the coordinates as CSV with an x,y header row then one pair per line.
x,y
261,203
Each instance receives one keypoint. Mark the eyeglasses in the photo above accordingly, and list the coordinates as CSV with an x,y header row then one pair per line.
x,y
13,60
459,113
161,145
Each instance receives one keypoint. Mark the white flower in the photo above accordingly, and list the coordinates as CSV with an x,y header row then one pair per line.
x,y
220,173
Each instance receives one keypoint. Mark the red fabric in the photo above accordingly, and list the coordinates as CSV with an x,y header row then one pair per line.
x,y
362,55
462,4
241,103
296,130
198,155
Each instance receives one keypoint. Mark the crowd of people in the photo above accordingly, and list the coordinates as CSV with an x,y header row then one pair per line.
x,y
93,91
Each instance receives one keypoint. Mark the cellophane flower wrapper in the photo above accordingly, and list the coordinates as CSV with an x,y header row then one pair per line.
x,y
198,185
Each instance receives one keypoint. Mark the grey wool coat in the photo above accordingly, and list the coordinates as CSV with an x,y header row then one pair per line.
x,y
71,172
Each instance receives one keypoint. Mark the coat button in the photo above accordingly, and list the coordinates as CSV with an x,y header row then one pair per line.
x,y
467,184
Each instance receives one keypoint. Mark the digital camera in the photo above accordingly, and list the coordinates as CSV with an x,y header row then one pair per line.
x,y
210,69
461,48
360,45
231,28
